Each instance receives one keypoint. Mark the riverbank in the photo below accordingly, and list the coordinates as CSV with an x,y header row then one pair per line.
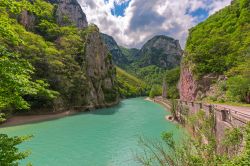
x,y
26,119
102,137
159,100
166,106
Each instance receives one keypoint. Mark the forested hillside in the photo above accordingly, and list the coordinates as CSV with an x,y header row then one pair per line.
x,y
218,55
129,85
52,63
158,59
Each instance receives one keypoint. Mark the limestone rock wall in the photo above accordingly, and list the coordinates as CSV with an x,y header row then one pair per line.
x,y
162,51
187,85
191,88
100,72
70,12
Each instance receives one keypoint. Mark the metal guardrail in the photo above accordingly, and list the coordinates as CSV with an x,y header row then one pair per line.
x,y
232,113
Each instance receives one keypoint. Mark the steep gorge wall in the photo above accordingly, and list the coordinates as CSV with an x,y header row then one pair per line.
x,y
217,50
100,71
191,88
79,65
69,12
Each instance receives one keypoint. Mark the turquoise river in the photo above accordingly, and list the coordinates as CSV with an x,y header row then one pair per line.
x,y
105,137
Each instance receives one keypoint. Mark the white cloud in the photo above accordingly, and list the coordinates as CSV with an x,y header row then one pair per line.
x,y
145,18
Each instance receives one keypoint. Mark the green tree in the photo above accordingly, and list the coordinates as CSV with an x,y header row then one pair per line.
x,y
155,91
16,81
9,153
238,88
172,78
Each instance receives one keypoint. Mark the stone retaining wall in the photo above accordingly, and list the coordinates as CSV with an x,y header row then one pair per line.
x,y
224,118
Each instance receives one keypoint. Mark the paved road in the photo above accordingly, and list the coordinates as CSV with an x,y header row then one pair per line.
x,y
244,110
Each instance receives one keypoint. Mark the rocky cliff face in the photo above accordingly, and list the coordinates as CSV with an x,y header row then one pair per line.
x,y
100,72
70,12
191,88
162,51
80,66
215,66
118,57
187,85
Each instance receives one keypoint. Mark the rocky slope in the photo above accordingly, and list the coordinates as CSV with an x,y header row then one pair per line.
x,y
216,62
69,12
161,51
117,55
130,54
100,71
159,54
73,60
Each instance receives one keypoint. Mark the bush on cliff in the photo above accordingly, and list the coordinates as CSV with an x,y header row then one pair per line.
x,y
130,86
220,45
193,152
156,90
172,78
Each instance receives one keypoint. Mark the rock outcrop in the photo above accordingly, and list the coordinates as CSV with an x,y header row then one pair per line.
x,y
27,20
192,89
118,57
217,57
80,69
162,51
187,85
70,12
100,72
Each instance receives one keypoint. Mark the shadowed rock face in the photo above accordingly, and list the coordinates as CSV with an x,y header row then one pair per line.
x,y
70,12
192,89
117,55
93,81
27,20
162,51
100,71
187,85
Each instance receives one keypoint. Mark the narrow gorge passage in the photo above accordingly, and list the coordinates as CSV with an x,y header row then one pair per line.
x,y
102,137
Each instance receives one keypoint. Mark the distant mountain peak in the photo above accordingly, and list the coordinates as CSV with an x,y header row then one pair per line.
x,y
162,51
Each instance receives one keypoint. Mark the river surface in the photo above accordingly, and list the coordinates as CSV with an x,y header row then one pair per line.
x,y
105,137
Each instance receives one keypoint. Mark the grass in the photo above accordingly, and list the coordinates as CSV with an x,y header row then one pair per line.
x,y
130,78
229,103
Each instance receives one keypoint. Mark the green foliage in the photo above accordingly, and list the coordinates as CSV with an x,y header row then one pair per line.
x,y
232,140
190,151
238,88
56,53
150,74
16,81
130,86
9,154
221,45
156,90
220,42
244,158
174,107
172,78
130,54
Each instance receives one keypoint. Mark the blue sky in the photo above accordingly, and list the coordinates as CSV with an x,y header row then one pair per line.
x,y
119,9
133,22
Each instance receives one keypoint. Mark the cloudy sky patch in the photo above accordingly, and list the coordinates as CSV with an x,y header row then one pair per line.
x,y
133,22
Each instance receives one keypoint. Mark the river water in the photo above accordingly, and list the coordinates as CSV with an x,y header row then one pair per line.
x,y
105,137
